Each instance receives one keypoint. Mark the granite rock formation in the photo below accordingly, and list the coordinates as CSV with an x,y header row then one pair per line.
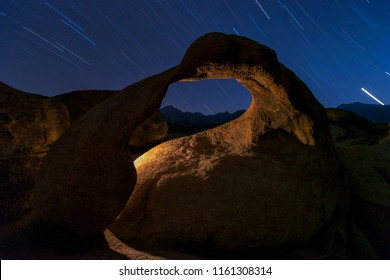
x,y
29,125
270,178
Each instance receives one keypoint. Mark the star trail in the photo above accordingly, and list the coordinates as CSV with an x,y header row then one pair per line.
x,y
337,47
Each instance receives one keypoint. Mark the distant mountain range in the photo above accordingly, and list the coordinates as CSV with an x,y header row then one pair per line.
x,y
371,112
187,122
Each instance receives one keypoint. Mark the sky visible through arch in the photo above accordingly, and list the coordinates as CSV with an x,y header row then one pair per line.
x,y
339,48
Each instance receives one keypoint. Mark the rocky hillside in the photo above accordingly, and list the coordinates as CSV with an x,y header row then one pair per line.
x,y
347,128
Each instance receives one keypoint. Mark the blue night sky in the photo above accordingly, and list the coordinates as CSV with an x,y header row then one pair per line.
x,y
337,47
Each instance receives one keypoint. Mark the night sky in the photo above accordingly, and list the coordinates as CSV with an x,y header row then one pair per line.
x,y
340,48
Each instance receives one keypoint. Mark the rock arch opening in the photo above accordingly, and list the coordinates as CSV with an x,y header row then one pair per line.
x,y
208,97
194,106
190,107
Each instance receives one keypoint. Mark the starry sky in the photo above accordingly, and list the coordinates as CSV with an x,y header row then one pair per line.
x,y
339,48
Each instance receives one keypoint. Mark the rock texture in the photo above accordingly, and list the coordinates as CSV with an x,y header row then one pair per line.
x,y
29,125
269,179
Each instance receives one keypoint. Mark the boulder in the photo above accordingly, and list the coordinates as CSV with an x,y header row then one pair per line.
x,y
364,149
368,168
29,125
269,179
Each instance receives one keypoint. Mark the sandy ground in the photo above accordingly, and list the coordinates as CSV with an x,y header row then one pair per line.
x,y
22,241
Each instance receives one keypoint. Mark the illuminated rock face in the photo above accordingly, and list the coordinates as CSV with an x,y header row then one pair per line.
x,y
268,178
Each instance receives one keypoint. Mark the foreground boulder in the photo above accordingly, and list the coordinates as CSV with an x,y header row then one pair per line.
x,y
369,171
29,125
269,179
364,149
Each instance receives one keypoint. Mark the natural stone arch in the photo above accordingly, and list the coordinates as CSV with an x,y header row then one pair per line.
x,y
276,91
212,185
222,183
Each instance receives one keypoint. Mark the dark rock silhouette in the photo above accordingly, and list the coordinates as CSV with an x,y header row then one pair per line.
x,y
365,152
270,178
87,177
81,101
152,131
29,125
368,170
